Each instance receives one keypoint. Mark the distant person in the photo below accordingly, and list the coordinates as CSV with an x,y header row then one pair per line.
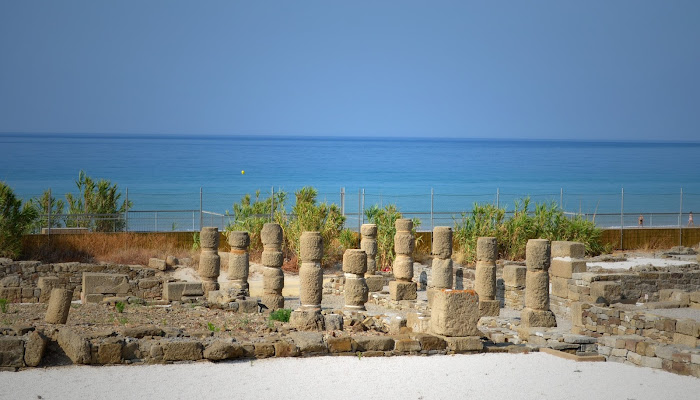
x,y
641,220
690,219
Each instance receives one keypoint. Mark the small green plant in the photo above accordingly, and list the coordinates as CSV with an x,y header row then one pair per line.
x,y
270,324
281,315
173,227
164,322
212,327
359,355
119,306
3,306
243,322
195,241
123,320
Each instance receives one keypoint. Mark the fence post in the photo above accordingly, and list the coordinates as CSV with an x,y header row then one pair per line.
x,y
498,197
193,221
272,204
342,201
561,199
680,222
359,210
48,218
362,212
622,217
201,221
432,222
156,221
126,212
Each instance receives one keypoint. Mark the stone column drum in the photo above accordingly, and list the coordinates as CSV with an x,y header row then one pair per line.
x,y
403,288
238,264
537,259
356,291
514,282
375,282
308,316
59,306
209,260
273,277
485,274
441,270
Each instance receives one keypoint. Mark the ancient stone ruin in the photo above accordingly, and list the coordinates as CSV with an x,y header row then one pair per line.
x,y
59,306
272,260
308,316
354,267
209,260
537,259
403,288
368,243
238,265
442,261
486,255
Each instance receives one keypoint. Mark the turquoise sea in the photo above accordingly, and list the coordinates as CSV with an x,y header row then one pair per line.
x,y
167,172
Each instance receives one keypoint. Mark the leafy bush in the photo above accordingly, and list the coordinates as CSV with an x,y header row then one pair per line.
x,y
3,305
15,220
119,306
385,219
250,216
282,315
348,239
100,198
45,205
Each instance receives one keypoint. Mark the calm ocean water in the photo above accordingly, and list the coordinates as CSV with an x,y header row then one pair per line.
x,y
167,172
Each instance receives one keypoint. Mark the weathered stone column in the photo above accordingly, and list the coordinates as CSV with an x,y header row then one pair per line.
x,y
441,270
403,288
308,316
486,255
567,259
368,243
238,264
273,277
209,260
356,291
59,306
514,282
536,311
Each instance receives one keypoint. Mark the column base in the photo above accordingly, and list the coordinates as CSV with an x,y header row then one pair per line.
x,y
399,290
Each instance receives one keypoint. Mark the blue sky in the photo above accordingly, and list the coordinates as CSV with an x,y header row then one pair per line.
x,y
615,70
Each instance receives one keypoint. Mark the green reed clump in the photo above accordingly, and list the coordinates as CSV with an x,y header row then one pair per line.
x,y
251,214
282,315
385,219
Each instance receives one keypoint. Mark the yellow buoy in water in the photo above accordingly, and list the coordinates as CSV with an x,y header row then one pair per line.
x,y
242,172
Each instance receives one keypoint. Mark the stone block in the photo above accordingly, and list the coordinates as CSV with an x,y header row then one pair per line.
x,y
402,290
537,255
110,352
284,348
560,287
311,246
307,320
610,291
688,327
59,306
417,322
11,352
238,239
651,362
10,281
108,284
404,242
173,291
568,249
685,340
354,261
264,350
356,292
489,308
209,237
375,283
430,342
342,344
537,290
441,273
485,279
157,263
238,265
403,267
464,344
333,322
442,242
309,342
209,265
566,268
186,350
76,346
46,284
223,350
34,349
486,249
369,230
272,258
537,318
373,343
514,275
171,261
404,224
407,345
455,313
12,294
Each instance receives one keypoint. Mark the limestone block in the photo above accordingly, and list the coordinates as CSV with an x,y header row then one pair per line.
x,y
311,246
354,261
404,243
368,230
373,343
688,327
486,249
209,237
271,235
110,351
442,242
76,347
342,344
399,290
11,352
441,273
489,308
356,292
333,322
375,283
560,287
369,247
46,284
238,265
273,301
10,281
514,275
101,283
186,350
537,318
209,265
34,349
403,267
238,239
173,291
568,249
273,279
272,258
248,306
537,290
455,313
310,284
12,294
223,350
464,344
564,268
610,291
59,306
537,255
685,340
309,342
485,275
403,225
157,263
307,320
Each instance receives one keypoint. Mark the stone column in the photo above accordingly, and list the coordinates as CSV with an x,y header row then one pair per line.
x,y
486,255
356,291
273,277
59,306
567,259
375,282
238,264
514,282
209,261
308,316
537,259
403,288
441,270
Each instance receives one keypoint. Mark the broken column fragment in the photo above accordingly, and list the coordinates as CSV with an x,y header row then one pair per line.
x,y
537,260
403,288
485,274
272,259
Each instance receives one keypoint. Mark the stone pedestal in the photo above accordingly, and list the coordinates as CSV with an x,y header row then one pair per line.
x,y
403,288
356,291
272,260
238,265
455,313
368,243
567,259
308,316
209,260
486,255
537,259
441,269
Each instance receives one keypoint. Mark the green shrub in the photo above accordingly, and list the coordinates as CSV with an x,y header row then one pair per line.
x,y
250,216
100,198
348,239
212,327
385,219
15,220
45,205
119,306
282,315
3,305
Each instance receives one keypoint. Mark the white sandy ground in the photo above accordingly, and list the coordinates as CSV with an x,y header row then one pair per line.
x,y
480,376
631,262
